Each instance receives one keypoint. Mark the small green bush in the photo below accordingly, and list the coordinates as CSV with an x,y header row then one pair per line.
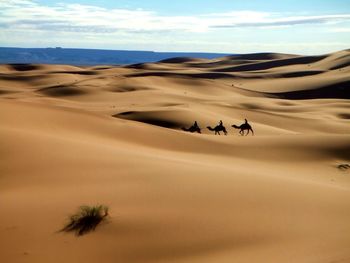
x,y
86,219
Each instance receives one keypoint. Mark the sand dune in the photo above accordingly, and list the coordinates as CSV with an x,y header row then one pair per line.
x,y
110,135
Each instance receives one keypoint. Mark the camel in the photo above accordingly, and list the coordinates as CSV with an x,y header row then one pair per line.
x,y
218,129
243,127
193,128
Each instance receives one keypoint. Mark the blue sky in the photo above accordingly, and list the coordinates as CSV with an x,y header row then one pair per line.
x,y
209,6
228,26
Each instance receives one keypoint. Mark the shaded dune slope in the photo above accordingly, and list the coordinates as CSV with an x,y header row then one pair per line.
x,y
339,90
274,63
157,118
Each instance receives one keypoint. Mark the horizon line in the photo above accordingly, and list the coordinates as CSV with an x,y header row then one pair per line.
x,y
155,51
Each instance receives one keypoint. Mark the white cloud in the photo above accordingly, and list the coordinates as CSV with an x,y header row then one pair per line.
x,y
269,20
26,14
341,29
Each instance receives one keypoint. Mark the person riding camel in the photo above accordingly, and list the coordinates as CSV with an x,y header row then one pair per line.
x,y
193,128
218,128
244,127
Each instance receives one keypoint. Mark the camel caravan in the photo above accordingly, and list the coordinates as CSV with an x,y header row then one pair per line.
x,y
221,128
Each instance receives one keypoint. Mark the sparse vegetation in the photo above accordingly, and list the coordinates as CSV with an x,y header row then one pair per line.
x,y
86,219
343,166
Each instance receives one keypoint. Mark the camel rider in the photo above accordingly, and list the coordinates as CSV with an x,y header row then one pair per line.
x,y
195,125
220,123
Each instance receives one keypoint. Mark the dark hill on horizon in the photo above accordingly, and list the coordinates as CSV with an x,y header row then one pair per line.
x,y
75,56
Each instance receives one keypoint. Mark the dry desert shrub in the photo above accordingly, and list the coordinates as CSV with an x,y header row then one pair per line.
x,y
86,219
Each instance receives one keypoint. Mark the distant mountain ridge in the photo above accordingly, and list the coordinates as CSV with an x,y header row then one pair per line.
x,y
74,56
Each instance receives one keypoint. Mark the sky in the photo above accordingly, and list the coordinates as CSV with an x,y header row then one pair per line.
x,y
220,26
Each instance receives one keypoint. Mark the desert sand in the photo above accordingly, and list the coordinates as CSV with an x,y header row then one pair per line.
x,y
111,135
